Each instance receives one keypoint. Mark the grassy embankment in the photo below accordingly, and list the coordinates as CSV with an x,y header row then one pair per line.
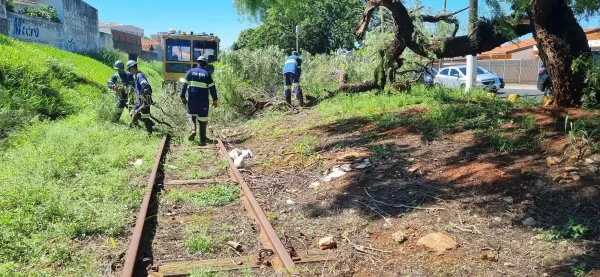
x,y
67,182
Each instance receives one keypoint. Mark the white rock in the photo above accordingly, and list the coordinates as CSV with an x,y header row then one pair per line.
x,y
327,243
508,199
571,169
508,265
137,162
290,202
346,167
314,185
529,222
590,161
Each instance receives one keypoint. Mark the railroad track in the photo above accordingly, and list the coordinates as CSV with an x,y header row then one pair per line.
x,y
269,252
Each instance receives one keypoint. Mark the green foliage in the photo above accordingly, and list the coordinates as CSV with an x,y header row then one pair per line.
x,y
324,25
42,11
212,196
62,180
571,230
205,272
108,56
306,145
10,6
199,244
590,68
186,162
581,134
578,269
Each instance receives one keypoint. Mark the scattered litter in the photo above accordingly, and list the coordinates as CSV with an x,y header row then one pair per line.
x,y
236,246
414,168
346,167
336,172
327,243
137,162
171,166
239,156
363,165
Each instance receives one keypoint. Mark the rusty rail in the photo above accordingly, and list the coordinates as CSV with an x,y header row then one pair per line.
x,y
131,255
283,258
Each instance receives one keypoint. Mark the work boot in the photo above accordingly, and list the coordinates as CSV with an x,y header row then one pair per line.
x,y
288,100
203,138
148,124
300,99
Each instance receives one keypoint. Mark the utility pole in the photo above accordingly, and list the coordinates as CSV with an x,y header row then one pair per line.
x,y
472,60
444,5
381,19
297,38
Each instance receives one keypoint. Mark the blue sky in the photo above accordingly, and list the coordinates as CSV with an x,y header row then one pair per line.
x,y
213,16
210,16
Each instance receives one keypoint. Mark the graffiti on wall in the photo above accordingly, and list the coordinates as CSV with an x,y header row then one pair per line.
x,y
21,29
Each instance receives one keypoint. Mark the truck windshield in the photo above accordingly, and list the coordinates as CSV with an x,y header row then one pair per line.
x,y
205,48
178,50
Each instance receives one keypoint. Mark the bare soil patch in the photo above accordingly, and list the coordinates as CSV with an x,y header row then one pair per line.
x,y
454,184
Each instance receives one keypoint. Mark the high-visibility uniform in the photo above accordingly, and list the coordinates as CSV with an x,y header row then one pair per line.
x,y
198,84
125,82
143,93
292,69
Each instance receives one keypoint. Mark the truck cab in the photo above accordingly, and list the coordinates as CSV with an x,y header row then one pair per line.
x,y
182,50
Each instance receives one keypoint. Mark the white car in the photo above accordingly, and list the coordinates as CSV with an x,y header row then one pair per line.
x,y
456,76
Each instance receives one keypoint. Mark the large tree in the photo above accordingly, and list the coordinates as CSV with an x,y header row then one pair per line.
x,y
553,23
325,25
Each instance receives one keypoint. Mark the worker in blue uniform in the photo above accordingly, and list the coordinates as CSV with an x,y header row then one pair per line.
x,y
122,84
143,92
198,84
292,69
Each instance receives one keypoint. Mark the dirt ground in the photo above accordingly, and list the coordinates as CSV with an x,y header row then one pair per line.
x,y
516,214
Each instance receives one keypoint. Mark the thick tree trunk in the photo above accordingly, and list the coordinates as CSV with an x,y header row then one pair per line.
x,y
560,40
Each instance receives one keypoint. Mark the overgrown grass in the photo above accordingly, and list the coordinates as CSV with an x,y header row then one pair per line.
x,y
195,164
67,180
212,196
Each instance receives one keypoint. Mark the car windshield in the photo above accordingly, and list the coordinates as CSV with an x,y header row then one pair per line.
x,y
480,70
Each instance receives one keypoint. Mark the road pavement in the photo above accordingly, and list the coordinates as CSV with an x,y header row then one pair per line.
x,y
521,90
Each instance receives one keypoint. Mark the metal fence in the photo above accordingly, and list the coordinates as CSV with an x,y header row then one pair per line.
x,y
513,71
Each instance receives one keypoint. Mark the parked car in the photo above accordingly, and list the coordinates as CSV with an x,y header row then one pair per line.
x,y
501,79
428,75
545,84
456,76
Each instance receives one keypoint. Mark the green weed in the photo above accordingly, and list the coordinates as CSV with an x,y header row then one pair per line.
x,y
571,230
212,196
65,176
578,269
195,164
306,145
205,272
199,244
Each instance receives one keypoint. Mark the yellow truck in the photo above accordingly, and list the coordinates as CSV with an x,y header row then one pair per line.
x,y
181,51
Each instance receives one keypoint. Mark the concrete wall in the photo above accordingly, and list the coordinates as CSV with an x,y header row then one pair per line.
x,y
33,29
81,31
77,32
3,20
149,56
106,41
126,42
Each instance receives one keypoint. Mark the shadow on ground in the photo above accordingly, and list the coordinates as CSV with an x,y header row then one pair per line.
x,y
473,173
